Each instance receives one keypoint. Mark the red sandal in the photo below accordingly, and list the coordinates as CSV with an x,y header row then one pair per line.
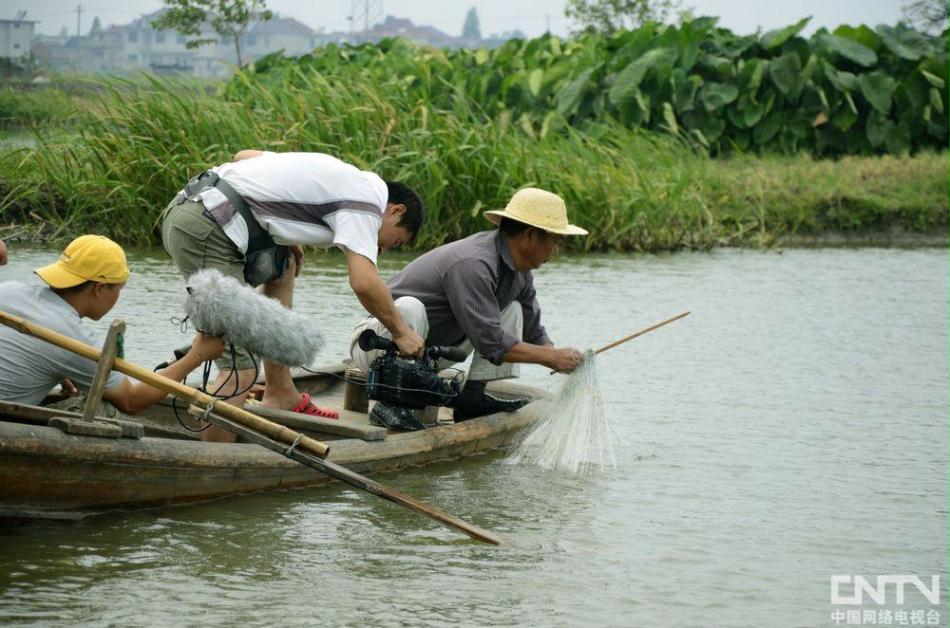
x,y
309,408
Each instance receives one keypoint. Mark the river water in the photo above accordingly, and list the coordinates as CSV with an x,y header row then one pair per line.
x,y
795,426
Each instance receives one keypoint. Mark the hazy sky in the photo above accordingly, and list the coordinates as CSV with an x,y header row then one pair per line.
x,y
530,16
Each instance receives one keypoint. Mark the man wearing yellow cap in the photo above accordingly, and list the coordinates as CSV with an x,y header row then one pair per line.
x,y
478,294
84,283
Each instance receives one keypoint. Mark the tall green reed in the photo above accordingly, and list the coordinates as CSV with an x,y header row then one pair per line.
x,y
632,189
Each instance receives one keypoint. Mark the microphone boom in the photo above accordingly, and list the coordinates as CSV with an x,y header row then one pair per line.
x,y
222,306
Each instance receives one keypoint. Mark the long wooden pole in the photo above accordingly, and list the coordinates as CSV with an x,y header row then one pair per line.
x,y
276,437
170,386
359,481
640,333
635,334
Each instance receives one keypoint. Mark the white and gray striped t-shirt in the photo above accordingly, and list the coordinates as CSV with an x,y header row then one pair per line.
x,y
303,198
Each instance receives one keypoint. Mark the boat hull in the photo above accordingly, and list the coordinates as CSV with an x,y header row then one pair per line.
x,y
45,473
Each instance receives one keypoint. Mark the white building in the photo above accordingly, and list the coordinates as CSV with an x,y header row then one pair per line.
x,y
166,51
16,36
139,46
278,33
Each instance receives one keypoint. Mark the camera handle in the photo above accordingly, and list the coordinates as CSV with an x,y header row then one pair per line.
x,y
369,340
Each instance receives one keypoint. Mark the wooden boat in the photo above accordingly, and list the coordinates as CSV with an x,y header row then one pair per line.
x,y
47,473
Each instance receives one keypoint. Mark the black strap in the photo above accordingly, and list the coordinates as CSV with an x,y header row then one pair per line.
x,y
258,238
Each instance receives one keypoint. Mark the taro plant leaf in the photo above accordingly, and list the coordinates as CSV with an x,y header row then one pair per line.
x,y
635,109
861,34
570,95
904,42
852,50
898,139
843,81
699,137
718,95
844,118
938,127
815,99
741,140
735,116
936,101
729,44
669,119
630,77
933,79
877,127
712,128
720,65
765,130
535,79
750,76
552,121
684,93
786,74
850,101
810,67
878,88
746,113
775,38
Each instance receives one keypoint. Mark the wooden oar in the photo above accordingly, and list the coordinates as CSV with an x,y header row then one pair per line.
x,y
286,441
635,334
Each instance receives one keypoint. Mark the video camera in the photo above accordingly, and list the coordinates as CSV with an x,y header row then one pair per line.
x,y
409,383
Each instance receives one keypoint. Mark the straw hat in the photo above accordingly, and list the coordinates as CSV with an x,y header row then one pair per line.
x,y
87,258
537,208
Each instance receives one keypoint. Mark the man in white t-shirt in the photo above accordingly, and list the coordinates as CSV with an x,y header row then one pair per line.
x,y
249,219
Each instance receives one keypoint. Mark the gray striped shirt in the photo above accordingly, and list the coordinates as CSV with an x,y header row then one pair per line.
x,y
465,285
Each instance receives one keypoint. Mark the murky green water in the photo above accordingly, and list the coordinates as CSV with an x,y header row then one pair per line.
x,y
794,427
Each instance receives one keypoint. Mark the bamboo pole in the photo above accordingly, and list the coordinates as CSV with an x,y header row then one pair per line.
x,y
634,335
359,481
185,393
640,333
275,437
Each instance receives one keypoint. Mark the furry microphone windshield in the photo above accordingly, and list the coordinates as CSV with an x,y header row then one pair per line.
x,y
222,306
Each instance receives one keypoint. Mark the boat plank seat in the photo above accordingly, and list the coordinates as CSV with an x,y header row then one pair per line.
x,y
87,423
350,424
72,422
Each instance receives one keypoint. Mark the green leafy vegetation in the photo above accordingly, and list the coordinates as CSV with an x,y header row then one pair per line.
x,y
855,90
633,189
20,106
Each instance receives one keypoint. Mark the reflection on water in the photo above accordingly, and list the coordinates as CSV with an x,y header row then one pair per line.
x,y
794,427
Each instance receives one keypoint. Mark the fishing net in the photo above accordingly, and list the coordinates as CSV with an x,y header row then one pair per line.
x,y
574,436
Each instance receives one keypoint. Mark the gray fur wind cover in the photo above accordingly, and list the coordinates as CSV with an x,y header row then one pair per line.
x,y
222,306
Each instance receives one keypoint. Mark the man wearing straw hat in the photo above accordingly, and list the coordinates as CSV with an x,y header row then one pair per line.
x,y
478,294
84,283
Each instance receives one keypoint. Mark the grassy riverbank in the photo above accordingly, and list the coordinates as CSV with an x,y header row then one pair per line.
x,y
634,190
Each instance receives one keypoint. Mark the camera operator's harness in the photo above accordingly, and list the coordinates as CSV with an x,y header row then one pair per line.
x,y
404,385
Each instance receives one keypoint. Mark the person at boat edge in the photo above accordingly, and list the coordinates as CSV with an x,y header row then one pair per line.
x,y
478,294
85,282
250,218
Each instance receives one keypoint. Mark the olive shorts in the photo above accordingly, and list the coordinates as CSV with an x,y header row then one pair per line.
x,y
194,241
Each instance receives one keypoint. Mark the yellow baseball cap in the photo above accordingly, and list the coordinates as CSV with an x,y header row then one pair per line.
x,y
87,258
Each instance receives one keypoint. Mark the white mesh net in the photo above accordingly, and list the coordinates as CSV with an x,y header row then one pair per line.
x,y
574,436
